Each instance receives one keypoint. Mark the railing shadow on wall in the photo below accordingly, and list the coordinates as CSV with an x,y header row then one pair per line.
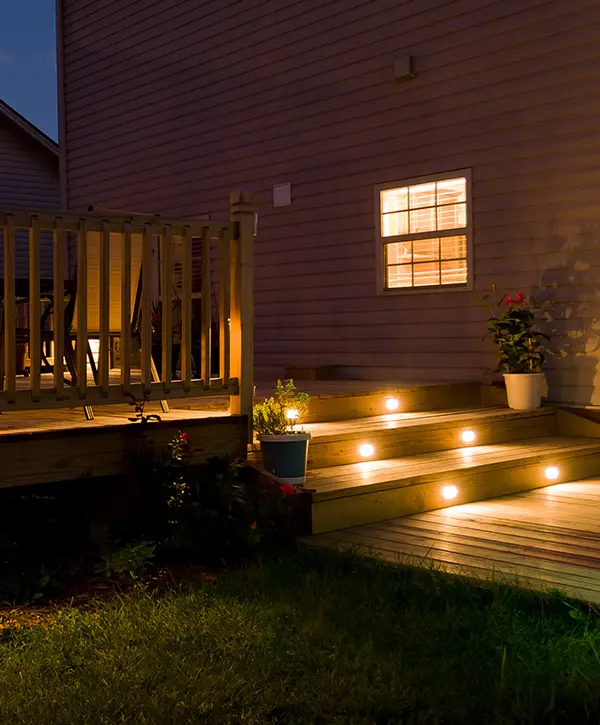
x,y
125,278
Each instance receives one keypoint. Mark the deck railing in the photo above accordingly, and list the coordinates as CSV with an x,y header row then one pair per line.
x,y
111,273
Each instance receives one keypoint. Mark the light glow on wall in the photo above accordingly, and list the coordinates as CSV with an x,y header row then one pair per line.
x,y
292,414
392,404
552,473
449,492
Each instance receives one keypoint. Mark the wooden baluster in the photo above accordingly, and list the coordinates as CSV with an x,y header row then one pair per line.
x,y
186,310
125,342
82,309
104,304
206,307
146,322
242,305
167,308
10,311
224,307
35,345
59,308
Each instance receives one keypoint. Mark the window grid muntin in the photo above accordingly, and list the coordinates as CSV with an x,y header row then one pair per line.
x,y
439,261
461,201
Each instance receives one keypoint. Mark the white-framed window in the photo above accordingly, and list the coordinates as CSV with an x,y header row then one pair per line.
x,y
424,233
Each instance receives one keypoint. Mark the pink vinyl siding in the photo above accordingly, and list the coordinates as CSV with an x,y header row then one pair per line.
x,y
28,180
169,106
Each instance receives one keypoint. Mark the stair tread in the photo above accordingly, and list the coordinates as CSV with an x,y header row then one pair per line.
x,y
352,478
395,421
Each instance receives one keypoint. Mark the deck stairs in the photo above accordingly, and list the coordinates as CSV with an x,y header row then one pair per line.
x,y
368,464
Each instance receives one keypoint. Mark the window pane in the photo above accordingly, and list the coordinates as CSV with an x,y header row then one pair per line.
x,y
394,224
426,210
453,216
422,220
454,272
426,274
451,191
394,199
399,276
426,249
422,195
454,247
398,253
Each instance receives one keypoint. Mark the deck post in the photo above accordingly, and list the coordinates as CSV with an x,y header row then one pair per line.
x,y
242,304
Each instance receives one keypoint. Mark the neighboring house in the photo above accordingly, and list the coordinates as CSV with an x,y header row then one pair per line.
x,y
432,149
29,179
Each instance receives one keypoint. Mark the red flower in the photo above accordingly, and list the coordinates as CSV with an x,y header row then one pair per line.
x,y
521,298
509,301
253,526
208,578
287,489
184,437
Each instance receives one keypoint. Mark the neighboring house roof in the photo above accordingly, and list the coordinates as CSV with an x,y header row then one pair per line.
x,y
28,127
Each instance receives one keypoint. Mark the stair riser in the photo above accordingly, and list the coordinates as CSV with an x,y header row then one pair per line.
x,y
414,440
348,407
425,493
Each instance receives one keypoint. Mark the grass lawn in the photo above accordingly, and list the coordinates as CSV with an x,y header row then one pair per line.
x,y
315,637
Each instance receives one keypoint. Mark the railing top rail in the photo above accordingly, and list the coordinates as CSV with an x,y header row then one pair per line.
x,y
114,222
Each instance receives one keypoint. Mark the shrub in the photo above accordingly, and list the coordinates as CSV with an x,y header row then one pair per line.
x,y
128,562
280,414
213,512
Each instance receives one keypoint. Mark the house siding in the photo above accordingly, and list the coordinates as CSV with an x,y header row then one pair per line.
x,y
28,181
168,107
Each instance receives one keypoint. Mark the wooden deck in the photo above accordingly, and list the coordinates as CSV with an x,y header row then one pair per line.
x,y
404,434
29,421
47,446
335,400
547,539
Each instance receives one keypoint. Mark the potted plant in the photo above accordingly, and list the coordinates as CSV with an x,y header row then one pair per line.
x,y
521,349
284,448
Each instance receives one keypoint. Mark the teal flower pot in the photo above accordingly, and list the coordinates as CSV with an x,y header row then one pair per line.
x,y
286,456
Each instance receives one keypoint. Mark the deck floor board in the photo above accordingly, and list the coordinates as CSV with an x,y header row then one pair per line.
x,y
546,538
393,421
28,421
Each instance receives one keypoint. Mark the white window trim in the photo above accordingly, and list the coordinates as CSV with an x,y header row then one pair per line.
x,y
380,241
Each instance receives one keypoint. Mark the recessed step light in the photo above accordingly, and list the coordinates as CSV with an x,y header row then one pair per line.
x,y
366,450
292,414
392,404
449,492
468,436
552,473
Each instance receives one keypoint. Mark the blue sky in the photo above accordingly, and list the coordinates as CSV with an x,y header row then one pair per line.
x,y
28,61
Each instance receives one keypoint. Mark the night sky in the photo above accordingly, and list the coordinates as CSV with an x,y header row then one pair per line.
x,y
28,61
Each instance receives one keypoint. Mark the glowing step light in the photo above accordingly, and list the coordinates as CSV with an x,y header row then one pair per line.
x,y
468,436
366,450
449,492
392,404
552,473
292,414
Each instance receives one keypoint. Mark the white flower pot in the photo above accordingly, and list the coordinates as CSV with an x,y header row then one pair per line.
x,y
525,390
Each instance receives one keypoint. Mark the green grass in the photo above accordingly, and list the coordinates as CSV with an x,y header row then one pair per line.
x,y
315,637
